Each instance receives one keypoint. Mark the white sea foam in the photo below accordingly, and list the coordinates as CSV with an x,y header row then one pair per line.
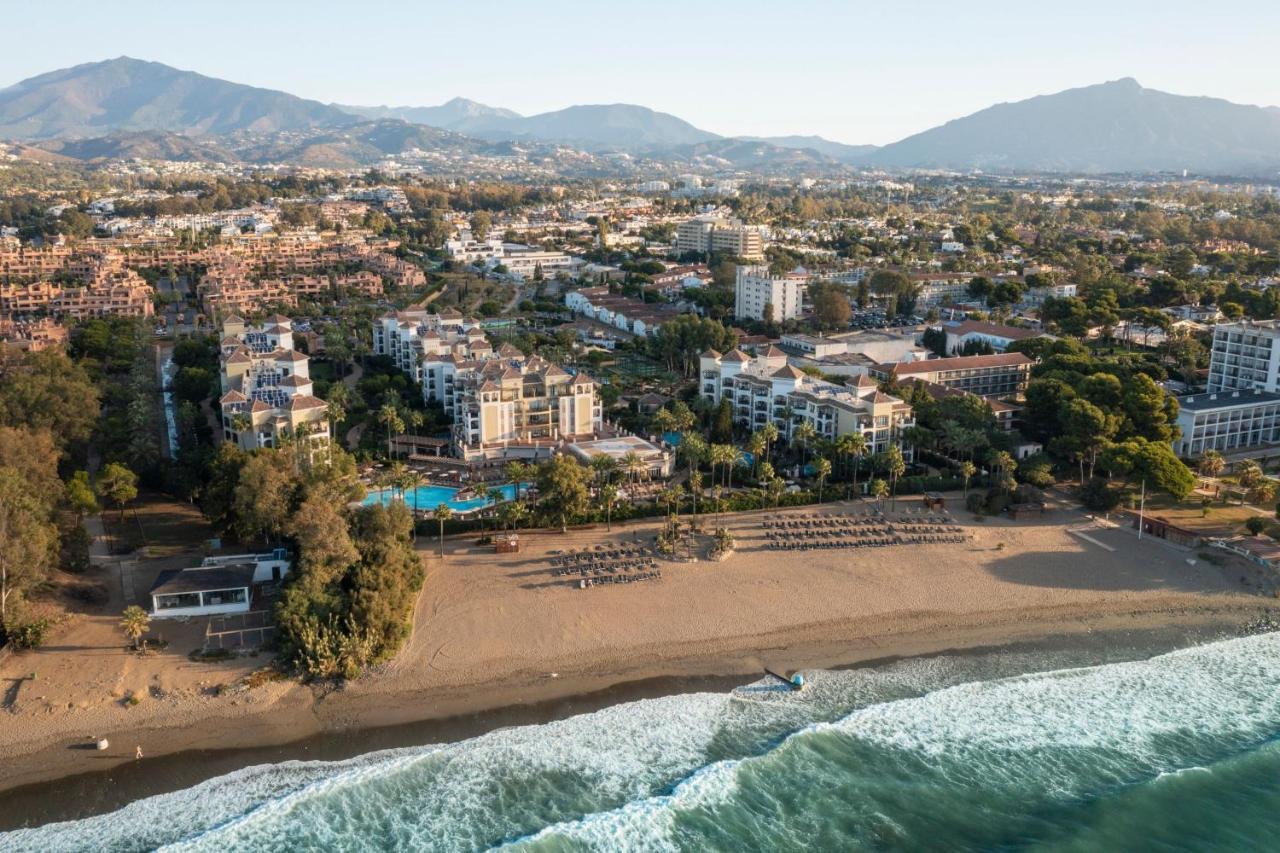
x,y
1220,690
604,780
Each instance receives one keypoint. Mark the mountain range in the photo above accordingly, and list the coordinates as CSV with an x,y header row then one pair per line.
x,y
110,108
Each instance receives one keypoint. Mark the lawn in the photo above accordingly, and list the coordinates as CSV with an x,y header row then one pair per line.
x,y
1190,513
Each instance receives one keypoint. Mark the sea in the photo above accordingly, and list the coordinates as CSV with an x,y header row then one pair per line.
x,y
1012,750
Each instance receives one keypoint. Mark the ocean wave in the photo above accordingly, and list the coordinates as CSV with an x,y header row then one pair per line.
x,y
890,750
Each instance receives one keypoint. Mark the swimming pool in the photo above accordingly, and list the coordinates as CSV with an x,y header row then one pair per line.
x,y
427,498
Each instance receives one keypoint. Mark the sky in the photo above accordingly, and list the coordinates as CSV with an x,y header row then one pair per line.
x,y
854,72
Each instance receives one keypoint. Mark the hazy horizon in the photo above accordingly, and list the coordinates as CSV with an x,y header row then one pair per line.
x,y
849,74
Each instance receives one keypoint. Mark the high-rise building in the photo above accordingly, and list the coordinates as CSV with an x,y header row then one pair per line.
x,y
1245,357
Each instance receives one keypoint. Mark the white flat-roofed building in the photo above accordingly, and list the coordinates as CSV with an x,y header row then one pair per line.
x,y
1245,357
813,346
756,294
1226,420
202,591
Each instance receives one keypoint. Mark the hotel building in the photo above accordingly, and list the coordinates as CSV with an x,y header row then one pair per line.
x,y
766,389
267,390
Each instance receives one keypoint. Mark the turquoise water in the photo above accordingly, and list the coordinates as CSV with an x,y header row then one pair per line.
x,y
427,498
1003,752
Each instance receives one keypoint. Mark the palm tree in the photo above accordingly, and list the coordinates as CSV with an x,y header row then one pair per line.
x,y
967,470
774,489
693,448
856,443
1212,464
1262,492
518,472
664,421
442,513
671,497
608,495
896,467
1249,474
336,413
770,433
733,458
602,467
391,417
766,476
804,433
695,489
879,489
240,422
632,464
755,446
496,499
135,623
822,468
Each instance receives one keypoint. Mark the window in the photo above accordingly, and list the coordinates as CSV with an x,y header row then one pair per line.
x,y
225,596
181,599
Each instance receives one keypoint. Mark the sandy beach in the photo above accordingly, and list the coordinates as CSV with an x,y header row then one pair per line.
x,y
495,631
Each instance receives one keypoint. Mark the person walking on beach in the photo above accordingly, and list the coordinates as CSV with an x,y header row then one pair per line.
x,y
137,755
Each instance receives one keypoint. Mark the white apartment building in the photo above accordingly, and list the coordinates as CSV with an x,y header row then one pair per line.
x,y
1226,421
766,389
755,290
708,234
1245,357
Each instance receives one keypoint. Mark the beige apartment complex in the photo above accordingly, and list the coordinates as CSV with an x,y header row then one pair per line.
x,y
267,390
723,236
512,407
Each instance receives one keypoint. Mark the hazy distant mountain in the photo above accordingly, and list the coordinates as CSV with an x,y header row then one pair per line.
x,y
752,155
1111,127
125,94
623,127
458,114
144,145
359,145
852,154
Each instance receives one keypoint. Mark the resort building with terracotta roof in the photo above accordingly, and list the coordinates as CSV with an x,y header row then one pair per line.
x,y
502,402
765,388
267,392
1000,376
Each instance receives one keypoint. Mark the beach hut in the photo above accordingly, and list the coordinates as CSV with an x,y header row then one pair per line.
x,y
506,543
934,500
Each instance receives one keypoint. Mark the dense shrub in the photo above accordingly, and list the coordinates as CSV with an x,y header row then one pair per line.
x,y
1099,496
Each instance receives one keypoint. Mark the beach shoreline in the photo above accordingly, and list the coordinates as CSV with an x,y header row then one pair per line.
x,y
503,639
335,724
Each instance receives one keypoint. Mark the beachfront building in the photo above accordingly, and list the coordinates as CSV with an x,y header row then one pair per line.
x,y
766,389
522,407
758,295
658,462
1226,421
202,591
267,393
999,376
1245,357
